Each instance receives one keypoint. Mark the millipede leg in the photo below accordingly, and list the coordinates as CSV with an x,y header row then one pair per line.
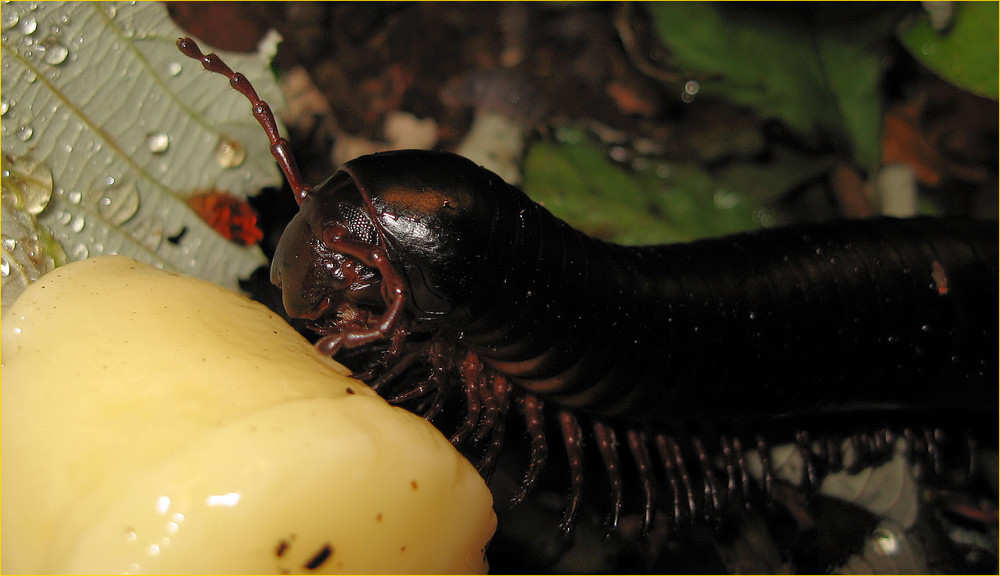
x,y
764,450
607,445
497,426
810,479
397,370
886,444
712,507
736,471
441,363
490,402
637,444
534,421
910,450
672,480
685,504
418,391
834,455
437,404
573,441
972,445
934,439
472,372
858,454
744,475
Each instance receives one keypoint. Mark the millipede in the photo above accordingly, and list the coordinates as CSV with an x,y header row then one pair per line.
x,y
679,366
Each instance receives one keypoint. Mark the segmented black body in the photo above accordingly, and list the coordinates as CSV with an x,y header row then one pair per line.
x,y
853,316
466,288
879,315
821,317
752,324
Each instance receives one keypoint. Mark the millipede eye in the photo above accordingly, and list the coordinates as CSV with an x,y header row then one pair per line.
x,y
357,222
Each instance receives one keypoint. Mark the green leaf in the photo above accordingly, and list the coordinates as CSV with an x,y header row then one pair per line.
x,y
658,203
99,95
966,54
816,67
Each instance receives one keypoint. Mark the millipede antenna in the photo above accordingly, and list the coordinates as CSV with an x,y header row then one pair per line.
x,y
280,148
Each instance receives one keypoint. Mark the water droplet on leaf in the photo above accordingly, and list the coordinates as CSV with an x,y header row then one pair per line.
x,y
24,132
118,203
230,153
158,143
29,25
80,251
27,185
10,18
55,53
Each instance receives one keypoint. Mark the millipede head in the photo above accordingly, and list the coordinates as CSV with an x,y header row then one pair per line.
x,y
280,148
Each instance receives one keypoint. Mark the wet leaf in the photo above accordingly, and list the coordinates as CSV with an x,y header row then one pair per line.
x,y
654,204
129,128
815,67
964,53
28,251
